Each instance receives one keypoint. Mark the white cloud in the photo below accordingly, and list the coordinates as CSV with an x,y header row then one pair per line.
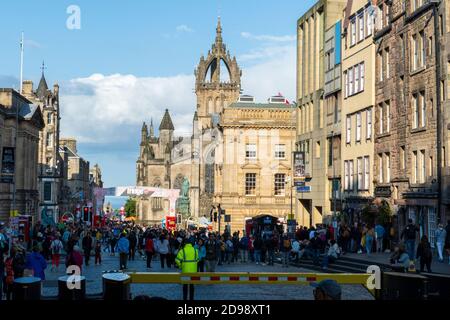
x,y
269,38
106,109
184,28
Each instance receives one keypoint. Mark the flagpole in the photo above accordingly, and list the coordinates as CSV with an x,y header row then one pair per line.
x,y
21,64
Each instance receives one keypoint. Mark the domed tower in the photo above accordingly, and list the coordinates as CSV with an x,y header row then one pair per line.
x,y
218,81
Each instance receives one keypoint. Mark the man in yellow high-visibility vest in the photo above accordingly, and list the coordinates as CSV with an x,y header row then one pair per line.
x,y
187,259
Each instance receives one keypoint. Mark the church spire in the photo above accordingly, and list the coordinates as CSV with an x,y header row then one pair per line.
x,y
152,130
43,87
144,134
219,31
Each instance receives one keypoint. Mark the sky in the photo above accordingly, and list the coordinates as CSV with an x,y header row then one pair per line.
x,y
130,60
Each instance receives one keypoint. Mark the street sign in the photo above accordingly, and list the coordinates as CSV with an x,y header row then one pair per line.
x,y
304,189
299,183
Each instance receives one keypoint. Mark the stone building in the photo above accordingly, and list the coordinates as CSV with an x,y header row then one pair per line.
x,y
222,117
50,178
312,129
78,189
21,167
358,69
408,156
254,160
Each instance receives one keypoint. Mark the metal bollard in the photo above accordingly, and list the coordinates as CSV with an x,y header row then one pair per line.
x,y
27,289
72,291
116,286
403,286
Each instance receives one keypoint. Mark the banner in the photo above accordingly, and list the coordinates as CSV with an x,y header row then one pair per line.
x,y
299,165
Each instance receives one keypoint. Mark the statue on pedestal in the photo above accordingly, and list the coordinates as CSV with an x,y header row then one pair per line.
x,y
183,202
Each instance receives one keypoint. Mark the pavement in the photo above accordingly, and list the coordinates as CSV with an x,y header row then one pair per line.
x,y
383,258
94,274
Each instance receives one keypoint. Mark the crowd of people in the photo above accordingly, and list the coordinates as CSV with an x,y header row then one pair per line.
x,y
78,244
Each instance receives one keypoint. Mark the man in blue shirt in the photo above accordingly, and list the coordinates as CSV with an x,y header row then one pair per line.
x,y
379,231
123,247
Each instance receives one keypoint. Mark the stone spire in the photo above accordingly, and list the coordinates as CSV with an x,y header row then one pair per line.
x,y
219,39
144,133
43,87
152,129
166,123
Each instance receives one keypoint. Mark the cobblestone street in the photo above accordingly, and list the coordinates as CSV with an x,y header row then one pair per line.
x,y
93,276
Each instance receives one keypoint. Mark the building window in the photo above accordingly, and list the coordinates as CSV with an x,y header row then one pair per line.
x,y
280,184
349,130
49,118
416,4
353,31
388,167
280,151
250,184
346,84
359,164
157,203
370,19
366,173
380,66
358,127
318,149
419,110
422,167
49,140
361,76
351,175
402,158
361,26
423,53
330,152
380,165
250,151
416,167
348,175
380,117
350,82
387,114
430,166
418,47
47,191
356,70
387,59
369,124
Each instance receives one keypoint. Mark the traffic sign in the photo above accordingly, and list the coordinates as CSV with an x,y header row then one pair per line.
x,y
304,189
299,183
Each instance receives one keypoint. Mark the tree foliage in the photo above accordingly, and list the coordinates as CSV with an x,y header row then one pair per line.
x,y
130,207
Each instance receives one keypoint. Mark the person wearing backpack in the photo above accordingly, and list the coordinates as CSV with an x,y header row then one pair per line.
x,y
56,248
409,235
425,254
244,248
286,249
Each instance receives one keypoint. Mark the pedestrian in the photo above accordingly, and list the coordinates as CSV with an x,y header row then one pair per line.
x,y
87,247
187,259
163,249
74,258
447,240
399,260
56,248
36,262
132,238
332,255
229,250
257,245
123,248
369,234
98,252
379,234
149,250
425,254
286,249
211,253
270,245
440,235
201,255
409,234
243,244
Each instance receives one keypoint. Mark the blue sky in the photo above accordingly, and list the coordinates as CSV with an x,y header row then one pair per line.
x,y
132,60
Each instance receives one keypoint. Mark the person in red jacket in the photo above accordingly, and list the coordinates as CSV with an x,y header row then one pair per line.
x,y
149,250
75,258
